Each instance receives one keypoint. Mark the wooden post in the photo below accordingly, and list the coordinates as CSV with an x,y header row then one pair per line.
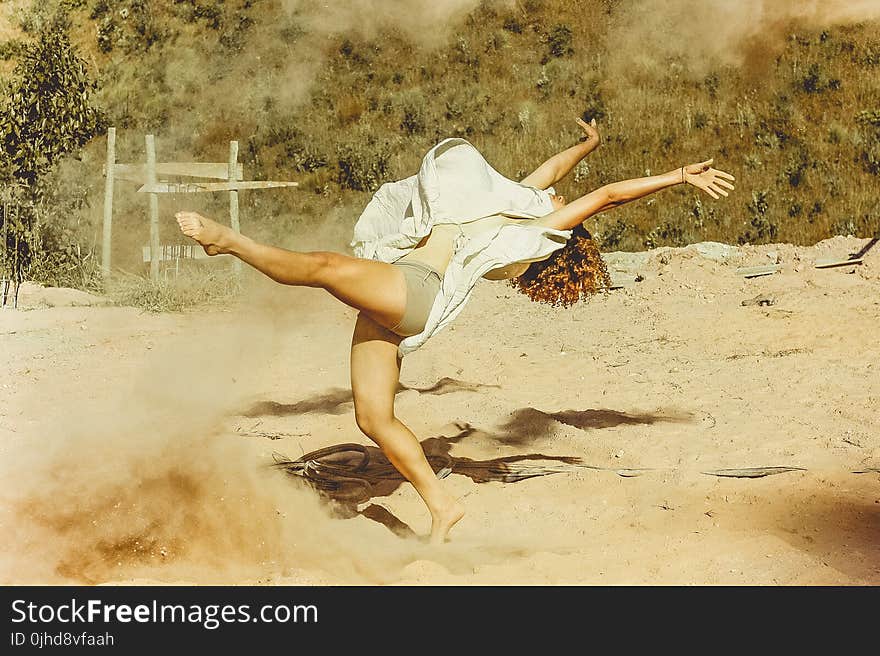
x,y
107,243
16,273
5,261
154,209
233,198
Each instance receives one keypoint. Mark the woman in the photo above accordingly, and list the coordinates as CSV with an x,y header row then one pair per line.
x,y
421,245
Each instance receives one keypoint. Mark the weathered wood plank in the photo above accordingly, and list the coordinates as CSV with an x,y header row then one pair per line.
x,y
107,232
828,262
233,198
154,207
138,172
752,472
205,187
755,271
620,281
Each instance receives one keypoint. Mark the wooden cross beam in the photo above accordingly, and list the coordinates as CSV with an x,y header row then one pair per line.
x,y
206,187
138,172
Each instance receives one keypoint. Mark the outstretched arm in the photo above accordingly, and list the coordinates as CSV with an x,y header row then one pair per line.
x,y
702,176
559,166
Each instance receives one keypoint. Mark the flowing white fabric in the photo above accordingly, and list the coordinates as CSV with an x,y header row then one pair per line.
x,y
455,185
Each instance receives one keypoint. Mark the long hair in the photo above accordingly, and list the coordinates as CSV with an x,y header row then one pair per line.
x,y
568,275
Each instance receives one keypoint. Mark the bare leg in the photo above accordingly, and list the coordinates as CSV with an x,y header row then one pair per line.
x,y
375,372
377,288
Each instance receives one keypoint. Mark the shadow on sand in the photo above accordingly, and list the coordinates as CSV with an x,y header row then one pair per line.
x,y
337,400
354,474
351,475
529,424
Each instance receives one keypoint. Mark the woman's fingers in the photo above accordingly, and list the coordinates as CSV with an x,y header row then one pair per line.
x,y
714,187
712,181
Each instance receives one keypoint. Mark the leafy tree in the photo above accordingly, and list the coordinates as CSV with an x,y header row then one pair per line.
x,y
47,112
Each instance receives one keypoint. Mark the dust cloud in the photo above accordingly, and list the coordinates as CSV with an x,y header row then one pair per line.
x,y
146,479
423,21
152,483
746,32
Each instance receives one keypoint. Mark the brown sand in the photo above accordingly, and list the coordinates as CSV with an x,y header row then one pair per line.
x,y
121,461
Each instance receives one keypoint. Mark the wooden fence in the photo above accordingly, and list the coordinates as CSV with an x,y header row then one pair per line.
x,y
15,224
231,173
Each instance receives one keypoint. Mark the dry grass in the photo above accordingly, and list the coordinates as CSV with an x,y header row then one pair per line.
x,y
199,288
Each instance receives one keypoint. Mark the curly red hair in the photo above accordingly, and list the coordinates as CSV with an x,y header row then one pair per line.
x,y
568,275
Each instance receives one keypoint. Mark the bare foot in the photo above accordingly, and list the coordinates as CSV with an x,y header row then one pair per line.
x,y
443,520
212,236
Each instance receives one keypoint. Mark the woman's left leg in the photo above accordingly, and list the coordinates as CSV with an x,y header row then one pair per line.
x,y
375,373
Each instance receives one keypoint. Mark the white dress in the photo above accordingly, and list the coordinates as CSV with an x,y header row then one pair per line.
x,y
455,185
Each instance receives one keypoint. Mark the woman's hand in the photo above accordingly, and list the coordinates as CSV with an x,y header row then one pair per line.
x,y
559,166
704,177
589,129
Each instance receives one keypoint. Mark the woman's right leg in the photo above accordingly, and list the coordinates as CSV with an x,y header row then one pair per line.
x,y
377,288
375,373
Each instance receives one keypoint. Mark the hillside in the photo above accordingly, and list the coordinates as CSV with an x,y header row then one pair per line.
x,y
343,99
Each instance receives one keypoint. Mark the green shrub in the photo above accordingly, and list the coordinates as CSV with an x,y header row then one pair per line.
x,y
593,103
559,41
711,84
512,24
11,49
666,234
413,120
869,132
234,36
796,167
363,164
100,8
844,227
612,238
760,228
105,34
211,14
869,117
816,81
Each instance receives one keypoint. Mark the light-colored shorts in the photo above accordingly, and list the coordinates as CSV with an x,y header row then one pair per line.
x,y
422,286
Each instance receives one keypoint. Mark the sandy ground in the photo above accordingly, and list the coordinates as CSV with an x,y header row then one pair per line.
x,y
122,461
